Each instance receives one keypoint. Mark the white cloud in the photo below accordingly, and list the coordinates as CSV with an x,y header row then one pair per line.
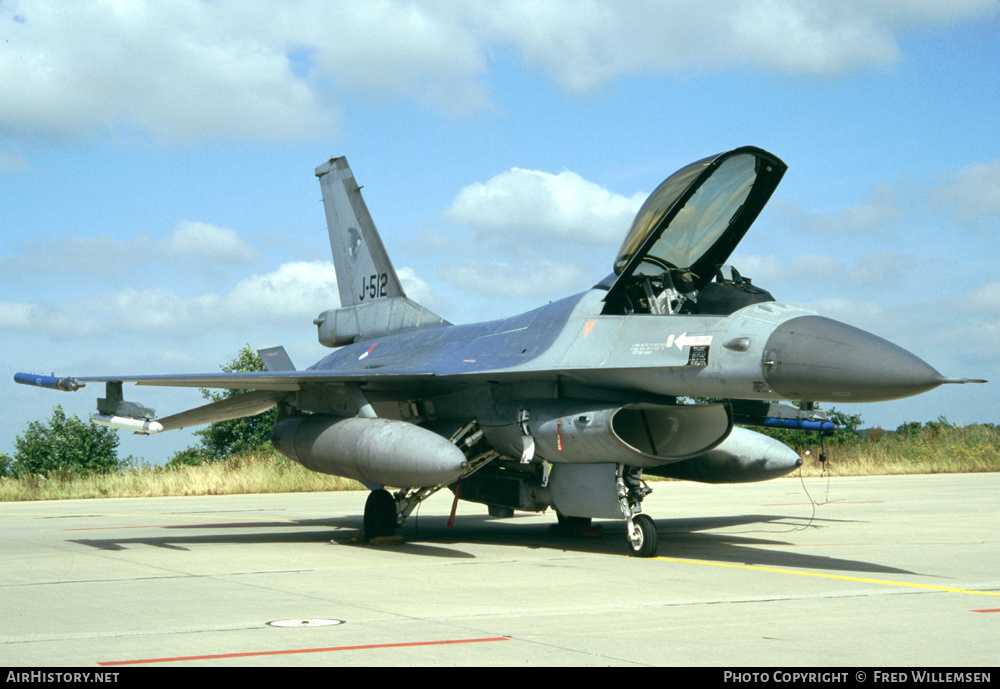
x,y
880,213
15,316
391,49
208,241
879,269
870,316
297,290
983,300
183,70
539,278
58,322
769,269
973,192
75,254
111,256
293,294
534,203
585,43
416,288
256,70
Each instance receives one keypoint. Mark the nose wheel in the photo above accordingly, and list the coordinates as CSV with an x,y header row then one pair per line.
x,y
642,540
639,528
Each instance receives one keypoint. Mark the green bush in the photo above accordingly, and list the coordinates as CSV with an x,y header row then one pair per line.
x,y
64,446
236,436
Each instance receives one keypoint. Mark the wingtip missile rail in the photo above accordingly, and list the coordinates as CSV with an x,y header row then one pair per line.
x,y
51,382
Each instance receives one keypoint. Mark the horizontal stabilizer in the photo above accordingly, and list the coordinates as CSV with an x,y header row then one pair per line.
x,y
276,359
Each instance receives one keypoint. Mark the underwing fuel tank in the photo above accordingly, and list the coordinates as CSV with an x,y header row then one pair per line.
x,y
743,457
372,450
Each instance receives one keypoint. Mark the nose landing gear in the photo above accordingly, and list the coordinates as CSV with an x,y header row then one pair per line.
x,y
639,528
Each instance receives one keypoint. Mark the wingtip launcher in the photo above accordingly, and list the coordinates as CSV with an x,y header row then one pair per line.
x,y
51,382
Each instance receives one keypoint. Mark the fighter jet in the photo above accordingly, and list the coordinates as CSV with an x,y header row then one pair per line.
x,y
566,406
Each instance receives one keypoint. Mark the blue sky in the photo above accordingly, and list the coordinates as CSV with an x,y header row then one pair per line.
x,y
159,208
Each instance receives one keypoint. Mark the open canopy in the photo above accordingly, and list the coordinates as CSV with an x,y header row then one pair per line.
x,y
692,222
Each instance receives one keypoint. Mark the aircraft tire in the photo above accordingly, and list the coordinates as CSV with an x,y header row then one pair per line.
x,y
646,545
380,514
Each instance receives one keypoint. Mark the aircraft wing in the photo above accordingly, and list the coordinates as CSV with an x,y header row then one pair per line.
x,y
384,379
264,390
288,381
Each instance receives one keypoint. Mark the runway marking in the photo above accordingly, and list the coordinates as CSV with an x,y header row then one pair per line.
x,y
842,577
365,647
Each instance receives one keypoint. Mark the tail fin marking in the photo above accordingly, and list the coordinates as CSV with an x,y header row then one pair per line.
x,y
364,271
372,301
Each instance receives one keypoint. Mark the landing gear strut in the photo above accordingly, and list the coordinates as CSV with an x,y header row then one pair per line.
x,y
639,528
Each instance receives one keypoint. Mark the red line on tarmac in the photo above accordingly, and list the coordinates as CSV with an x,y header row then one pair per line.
x,y
300,650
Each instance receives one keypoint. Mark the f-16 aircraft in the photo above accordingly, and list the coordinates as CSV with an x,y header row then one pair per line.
x,y
566,406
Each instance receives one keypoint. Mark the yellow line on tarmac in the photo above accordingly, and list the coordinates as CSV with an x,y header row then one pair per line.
x,y
830,576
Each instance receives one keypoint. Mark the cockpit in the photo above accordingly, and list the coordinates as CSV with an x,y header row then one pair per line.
x,y
672,259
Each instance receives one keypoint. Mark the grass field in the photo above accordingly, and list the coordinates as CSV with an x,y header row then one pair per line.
x,y
254,473
934,449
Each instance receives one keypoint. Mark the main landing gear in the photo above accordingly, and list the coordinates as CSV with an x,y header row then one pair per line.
x,y
385,512
381,518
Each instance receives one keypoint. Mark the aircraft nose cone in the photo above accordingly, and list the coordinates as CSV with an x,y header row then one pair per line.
x,y
820,359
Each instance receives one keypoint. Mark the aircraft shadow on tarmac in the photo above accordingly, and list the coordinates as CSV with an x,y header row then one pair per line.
x,y
429,536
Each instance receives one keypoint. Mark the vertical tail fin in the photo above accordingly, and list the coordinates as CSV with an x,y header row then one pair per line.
x,y
364,271
372,301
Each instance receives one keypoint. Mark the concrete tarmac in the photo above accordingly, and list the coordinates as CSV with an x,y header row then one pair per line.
x,y
883,572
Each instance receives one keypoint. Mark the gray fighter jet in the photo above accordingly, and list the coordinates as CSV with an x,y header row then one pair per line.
x,y
566,406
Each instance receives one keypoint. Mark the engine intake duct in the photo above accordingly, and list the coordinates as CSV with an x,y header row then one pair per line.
x,y
591,432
